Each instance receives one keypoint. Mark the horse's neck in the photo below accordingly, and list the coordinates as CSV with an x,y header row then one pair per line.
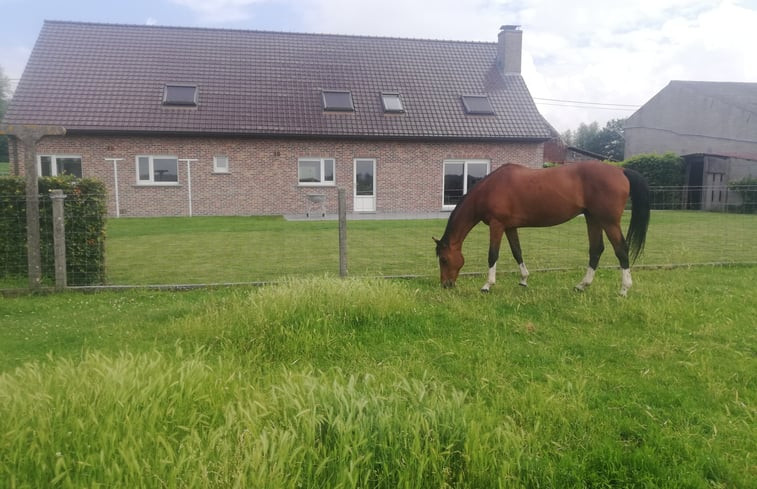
x,y
461,224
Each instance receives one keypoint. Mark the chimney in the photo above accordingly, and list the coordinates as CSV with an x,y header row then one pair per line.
x,y
509,46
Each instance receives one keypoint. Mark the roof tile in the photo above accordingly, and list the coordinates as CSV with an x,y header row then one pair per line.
x,y
111,77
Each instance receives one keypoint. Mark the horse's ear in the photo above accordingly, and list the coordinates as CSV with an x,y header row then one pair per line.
x,y
435,240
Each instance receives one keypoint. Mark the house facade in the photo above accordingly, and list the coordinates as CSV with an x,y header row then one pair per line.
x,y
688,117
186,121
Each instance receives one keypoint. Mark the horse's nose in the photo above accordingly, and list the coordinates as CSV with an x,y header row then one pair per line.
x,y
448,284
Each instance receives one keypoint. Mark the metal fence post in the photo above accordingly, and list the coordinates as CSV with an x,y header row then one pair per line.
x,y
342,233
59,239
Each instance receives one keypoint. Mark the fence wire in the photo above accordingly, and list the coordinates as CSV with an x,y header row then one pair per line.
x,y
178,251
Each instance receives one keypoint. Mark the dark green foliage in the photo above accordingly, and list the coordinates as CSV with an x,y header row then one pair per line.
x,y
747,189
12,226
608,141
85,213
665,174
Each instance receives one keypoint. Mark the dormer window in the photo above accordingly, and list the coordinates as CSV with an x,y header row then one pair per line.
x,y
183,95
392,102
337,100
477,104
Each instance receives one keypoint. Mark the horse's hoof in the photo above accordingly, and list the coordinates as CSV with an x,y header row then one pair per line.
x,y
579,288
523,285
484,291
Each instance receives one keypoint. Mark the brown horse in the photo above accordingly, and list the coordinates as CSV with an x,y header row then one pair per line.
x,y
514,196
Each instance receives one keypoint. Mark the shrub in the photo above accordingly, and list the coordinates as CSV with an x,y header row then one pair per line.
x,y
665,174
84,211
747,190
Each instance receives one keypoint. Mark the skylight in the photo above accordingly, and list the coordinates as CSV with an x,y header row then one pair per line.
x,y
392,102
338,100
180,95
477,104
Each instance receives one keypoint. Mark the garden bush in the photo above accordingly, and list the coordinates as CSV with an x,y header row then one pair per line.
x,y
85,213
665,174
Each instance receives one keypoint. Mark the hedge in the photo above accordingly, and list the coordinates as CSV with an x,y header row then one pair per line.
x,y
85,214
665,174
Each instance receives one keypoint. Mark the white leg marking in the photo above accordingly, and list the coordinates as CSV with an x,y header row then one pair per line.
x,y
491,279
625,282
523,275
587,280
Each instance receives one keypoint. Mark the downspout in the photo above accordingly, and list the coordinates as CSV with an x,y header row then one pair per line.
x,y
189,181
115,182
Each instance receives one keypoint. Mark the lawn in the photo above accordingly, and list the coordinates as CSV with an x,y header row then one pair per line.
x,y
322,382
250,249
4,168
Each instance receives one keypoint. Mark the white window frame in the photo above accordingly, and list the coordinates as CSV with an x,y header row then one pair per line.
x,y
217,168
387,99
151,181
322,162
54,163
465,164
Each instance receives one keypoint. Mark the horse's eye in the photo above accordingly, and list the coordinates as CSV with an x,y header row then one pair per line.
x,y
442,260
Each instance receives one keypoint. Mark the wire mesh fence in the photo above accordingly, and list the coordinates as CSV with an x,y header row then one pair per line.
x,y
176,251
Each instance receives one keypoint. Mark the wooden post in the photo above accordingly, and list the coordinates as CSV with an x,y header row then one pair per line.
x,y
29,135
59,239
342,233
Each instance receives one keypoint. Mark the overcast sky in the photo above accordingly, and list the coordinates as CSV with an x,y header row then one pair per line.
x,y
583,60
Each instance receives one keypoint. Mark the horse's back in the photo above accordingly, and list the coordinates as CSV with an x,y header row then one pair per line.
x,y
519,196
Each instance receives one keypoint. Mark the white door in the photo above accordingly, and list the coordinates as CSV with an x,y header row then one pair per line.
x,y
365,185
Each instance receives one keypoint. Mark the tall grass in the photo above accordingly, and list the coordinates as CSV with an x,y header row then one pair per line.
x,y
365,383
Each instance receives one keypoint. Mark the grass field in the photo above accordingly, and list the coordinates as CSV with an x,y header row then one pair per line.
x,y
4,168
200,249
322,382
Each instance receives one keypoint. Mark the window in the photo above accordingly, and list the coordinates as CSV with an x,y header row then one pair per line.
x,y
392,102
220,164
459,178
337,100
180,95
315,171
54,165
477,104
157,170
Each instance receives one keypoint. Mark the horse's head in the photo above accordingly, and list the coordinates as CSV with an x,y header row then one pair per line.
x,y
450,262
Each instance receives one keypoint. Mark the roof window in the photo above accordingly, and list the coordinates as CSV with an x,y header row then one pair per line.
x,y
180,95
337,100
392,102
477,104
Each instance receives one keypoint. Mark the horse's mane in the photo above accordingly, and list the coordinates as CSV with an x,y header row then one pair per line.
x,y
444,240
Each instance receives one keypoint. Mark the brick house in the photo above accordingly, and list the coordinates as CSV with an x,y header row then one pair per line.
x,y
192,121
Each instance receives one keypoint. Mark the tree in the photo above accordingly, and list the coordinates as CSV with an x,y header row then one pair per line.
x,y
608,141
5,95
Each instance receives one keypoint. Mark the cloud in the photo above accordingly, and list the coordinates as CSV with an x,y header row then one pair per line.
x,y
220,11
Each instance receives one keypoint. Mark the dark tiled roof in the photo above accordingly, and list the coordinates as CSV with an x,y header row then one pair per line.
x,y
102,77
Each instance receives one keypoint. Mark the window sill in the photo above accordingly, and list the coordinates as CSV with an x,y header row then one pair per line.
x,y
329,184
164,184
220,173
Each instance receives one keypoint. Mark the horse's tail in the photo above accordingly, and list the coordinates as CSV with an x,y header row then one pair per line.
x,y
637,229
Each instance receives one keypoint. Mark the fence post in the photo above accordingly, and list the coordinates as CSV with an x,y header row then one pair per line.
x,y
59,239
28,135
342,233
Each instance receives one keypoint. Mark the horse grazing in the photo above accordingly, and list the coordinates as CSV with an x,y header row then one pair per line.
x,y
513,196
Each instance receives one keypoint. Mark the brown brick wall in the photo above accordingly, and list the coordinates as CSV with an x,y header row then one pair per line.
x,y
262,178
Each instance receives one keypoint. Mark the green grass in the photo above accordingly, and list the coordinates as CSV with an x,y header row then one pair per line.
x,y
249,249
323,382
5,168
